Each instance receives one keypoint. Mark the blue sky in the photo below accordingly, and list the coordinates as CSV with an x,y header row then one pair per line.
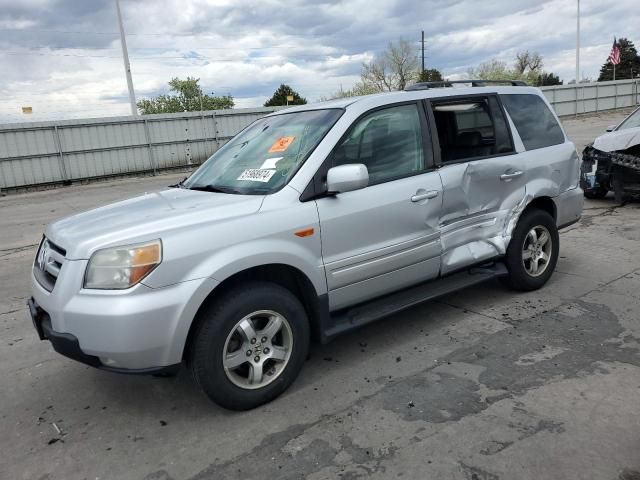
x,y
63,57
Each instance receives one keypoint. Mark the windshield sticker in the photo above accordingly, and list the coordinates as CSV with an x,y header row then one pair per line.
x,y
271,162
257,175
281,144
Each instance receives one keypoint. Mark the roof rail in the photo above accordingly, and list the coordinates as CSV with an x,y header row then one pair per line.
x,y
474,83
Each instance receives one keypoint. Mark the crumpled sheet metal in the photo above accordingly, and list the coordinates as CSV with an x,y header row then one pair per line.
x,y
460,249
622,159
477,222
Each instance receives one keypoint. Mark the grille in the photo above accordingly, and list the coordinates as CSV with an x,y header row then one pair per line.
x,y
48,263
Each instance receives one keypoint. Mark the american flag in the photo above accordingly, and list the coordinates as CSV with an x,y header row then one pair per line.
x,y
614,56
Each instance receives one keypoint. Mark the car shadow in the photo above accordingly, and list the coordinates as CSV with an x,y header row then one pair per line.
x,y
351,351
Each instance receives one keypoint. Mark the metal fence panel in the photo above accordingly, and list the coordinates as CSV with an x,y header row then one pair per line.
x,y
29,142
53,152
592,97
91,137
102,163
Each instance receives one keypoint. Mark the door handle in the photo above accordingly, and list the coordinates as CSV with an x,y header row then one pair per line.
x,y
507,177
418,197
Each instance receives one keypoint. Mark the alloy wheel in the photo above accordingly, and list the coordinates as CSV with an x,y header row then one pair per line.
x,y
536,251
257,349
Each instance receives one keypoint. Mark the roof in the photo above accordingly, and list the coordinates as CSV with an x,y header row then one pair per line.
x,y
378,99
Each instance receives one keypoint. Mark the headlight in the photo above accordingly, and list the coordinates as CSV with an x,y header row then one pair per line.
x,y
122,267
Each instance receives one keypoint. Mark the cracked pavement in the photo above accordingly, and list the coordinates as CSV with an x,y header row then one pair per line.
x,y
481,384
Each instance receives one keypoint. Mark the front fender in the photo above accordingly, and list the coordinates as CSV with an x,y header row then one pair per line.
x,y
219,249
235,259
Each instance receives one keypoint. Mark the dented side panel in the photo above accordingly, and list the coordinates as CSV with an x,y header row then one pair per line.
x,y
551,170
480,210
478,205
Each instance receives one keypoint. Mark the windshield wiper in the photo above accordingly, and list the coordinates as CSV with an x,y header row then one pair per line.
x,y
211,188
180,184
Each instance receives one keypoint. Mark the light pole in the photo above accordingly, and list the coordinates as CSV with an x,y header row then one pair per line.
x,y
422,52
578,46
127,66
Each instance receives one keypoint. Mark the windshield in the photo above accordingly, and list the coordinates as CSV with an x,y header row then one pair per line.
x,y
632,121
263,157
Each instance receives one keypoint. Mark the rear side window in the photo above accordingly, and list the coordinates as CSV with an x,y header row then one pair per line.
x,y
534,121
471,128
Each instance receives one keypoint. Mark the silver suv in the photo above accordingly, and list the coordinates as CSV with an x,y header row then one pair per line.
x,y
310,222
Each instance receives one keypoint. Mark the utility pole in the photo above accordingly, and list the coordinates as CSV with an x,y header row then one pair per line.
x,y
127,65
578,46
423,52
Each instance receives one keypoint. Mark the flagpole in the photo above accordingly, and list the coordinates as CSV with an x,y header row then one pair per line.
x,y
614,72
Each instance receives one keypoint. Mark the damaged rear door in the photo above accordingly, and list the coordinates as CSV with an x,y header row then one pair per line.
x,y
483,178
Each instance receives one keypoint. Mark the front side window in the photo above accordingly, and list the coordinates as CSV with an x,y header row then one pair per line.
x,y
632,121
534,121
262,158
388,142
469,129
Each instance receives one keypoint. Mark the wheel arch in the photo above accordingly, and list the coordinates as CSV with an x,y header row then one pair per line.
x,y
544,203
285,275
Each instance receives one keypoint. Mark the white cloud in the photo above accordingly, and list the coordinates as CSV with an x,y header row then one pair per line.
x,y
63,57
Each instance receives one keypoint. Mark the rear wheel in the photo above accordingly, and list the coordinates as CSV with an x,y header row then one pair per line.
x,y
596,193
533,251
250,345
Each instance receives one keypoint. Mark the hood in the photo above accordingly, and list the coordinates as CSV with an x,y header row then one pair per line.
x,y
618,140
145,218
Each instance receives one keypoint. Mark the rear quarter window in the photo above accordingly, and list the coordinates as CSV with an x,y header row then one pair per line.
x,y
536,125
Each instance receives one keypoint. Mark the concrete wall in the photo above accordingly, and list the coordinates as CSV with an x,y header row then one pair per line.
x,y
56,152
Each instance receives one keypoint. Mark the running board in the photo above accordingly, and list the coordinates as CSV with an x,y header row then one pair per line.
x,y
381,307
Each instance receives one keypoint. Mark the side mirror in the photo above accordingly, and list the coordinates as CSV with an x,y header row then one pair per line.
x,y
346,178
610,128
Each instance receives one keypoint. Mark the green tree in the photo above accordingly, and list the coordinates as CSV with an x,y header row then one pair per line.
x,y
359,89
527,67
545,79
280,97
391,70
430,75
527,61
629,61
492,70
188,98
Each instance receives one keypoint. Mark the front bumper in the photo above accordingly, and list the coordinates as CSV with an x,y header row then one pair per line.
x,y
138,330
599,169
68,345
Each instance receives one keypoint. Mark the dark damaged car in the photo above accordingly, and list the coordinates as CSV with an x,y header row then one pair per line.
x,y
612,162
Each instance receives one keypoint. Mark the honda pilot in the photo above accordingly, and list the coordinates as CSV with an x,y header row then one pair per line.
x,y
310,222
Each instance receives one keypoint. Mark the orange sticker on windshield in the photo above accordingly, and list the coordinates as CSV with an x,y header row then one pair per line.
x,y
281,144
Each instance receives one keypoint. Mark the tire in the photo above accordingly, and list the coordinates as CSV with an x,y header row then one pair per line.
x,y
618,186
597,193
238,367
522,274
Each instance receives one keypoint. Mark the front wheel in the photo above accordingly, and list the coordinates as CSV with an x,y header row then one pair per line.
x,y
533,251
250,345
